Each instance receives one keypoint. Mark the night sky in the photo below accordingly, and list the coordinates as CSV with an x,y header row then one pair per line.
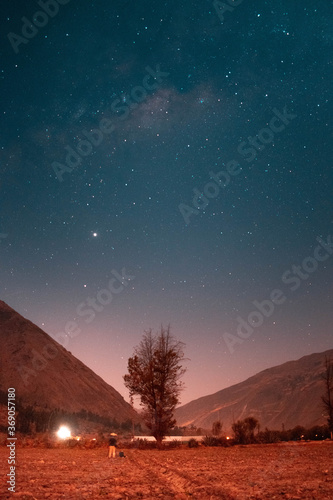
x,y
169,162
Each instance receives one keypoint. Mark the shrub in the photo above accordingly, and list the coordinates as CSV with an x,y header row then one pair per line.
x,y
215,441
143,444
193,443
173,444
268,436
244,430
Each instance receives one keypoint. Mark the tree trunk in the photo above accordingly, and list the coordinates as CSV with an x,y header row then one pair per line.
x,y
159,443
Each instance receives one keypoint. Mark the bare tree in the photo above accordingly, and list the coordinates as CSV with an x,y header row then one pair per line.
x,y
327,398
154,373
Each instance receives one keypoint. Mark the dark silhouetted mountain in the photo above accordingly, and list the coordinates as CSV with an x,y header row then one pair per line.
x,y
46,375
288,394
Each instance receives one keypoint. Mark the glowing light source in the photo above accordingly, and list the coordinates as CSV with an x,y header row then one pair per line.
x,y
64,432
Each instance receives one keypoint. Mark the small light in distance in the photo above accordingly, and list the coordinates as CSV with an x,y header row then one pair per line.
x,y
64,432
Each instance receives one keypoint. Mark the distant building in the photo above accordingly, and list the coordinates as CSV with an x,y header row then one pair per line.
x,y
169,439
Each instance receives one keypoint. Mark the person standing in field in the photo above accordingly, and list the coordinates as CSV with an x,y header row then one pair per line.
x,y
112,445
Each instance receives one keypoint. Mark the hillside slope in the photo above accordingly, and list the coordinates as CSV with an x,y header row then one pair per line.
x,y
288,394
46,375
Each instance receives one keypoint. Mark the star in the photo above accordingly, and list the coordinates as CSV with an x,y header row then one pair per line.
x,y
208,190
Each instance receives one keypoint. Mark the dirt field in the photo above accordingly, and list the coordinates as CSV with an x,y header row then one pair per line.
x,y
288,471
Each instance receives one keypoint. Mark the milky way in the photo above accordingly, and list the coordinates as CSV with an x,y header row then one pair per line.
x,y
169,163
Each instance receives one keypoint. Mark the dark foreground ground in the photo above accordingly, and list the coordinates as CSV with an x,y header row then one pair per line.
x,y
282,471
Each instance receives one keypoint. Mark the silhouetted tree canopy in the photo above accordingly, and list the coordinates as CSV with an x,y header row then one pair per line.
x,y
244,430
154,373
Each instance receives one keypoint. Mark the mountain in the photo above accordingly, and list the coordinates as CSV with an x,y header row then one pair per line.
x,y
46,375
288,394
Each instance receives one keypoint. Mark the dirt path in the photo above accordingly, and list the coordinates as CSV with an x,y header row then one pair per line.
x,y
187,478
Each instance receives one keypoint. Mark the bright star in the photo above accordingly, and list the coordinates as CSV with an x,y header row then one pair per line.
x,y
94,235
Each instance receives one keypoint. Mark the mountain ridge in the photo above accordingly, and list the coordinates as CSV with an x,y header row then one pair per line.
x,y
46,375
280,396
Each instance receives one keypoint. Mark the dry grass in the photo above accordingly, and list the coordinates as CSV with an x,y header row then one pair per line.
x,y
288,471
